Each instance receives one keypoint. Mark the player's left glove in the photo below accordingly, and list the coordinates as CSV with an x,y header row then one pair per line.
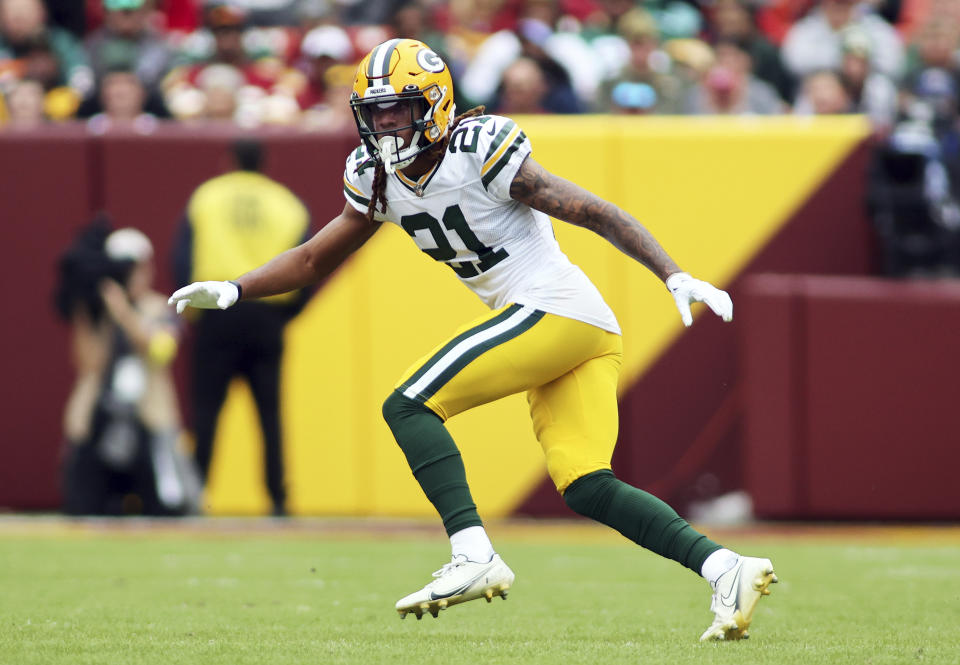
x,y
205,295
686,290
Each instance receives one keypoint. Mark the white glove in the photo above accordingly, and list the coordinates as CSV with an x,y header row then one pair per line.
x,y
205,295
686,289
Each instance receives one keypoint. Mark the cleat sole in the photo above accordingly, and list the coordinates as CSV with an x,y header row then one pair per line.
x,y
744,616
434,606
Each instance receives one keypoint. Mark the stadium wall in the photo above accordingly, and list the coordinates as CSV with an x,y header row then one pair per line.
x,y
850,397
727,197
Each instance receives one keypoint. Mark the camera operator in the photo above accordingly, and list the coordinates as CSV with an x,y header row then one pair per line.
x,y
121,422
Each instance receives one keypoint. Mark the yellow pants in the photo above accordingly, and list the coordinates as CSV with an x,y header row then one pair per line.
x,y
569,370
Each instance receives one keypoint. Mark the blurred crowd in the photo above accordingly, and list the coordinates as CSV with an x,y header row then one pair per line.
x,y
291,62
131,64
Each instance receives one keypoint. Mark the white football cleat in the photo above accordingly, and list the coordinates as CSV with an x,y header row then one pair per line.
x,y
735,596
457,582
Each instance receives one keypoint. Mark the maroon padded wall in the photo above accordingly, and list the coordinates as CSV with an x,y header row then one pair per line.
x,y
851,390
51,183
44,195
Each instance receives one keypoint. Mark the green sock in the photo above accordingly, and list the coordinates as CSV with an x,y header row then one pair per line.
x,y
641,517
434,459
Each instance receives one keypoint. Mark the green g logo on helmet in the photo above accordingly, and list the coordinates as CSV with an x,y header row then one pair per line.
x,y
430,61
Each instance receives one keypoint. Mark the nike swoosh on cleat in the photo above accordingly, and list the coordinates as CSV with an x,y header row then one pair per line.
x,y
459,590
732,596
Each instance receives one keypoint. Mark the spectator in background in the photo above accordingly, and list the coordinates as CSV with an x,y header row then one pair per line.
x,y
126,41
121,421
233,223
466,26
730,88
690,58
932,102
38,63
231,84
815,42
24,105
733,20
648,64
25,37
411,20
122,97
523,89
871,92
334,115
774,18
313,13
913,182
322,48
604,17
416,19
935,45
571,67
823,93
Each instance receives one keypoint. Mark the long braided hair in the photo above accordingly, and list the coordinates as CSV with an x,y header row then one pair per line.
x,y
379,197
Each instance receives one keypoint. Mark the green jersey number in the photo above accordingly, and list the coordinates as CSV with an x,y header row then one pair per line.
x,y
460,141
453,220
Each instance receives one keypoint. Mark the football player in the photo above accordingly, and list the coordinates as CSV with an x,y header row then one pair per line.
x,y
468,192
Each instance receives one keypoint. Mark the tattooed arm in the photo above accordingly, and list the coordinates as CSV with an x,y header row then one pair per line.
x,y
560,198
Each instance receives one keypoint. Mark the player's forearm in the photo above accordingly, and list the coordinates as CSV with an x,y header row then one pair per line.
x,y
312,261
566,201
288,271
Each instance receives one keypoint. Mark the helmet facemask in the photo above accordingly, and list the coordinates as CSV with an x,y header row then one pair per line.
x,y
387,146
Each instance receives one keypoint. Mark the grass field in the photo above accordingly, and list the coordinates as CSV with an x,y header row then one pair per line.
x,y
236,592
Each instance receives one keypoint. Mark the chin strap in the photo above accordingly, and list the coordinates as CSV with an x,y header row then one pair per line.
x,y
390,148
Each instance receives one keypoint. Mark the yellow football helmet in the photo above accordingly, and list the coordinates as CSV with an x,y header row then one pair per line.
x,y
402,71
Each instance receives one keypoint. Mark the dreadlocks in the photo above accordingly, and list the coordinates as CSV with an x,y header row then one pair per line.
x,y
379,197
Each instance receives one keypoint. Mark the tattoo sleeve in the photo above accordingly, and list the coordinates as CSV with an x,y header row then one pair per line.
x,y
559,198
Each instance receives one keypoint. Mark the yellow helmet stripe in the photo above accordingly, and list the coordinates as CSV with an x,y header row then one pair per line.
x,y
378,69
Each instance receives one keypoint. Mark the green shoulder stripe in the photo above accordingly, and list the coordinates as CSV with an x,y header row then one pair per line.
x,y
356,197
503,161
499,138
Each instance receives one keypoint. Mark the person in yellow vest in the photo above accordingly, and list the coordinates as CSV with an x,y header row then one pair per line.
x,y
233,223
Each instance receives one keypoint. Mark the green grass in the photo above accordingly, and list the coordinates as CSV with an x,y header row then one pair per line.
x,y
274,596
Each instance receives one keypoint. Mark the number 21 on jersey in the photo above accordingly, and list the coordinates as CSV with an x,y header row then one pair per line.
x,y
456,223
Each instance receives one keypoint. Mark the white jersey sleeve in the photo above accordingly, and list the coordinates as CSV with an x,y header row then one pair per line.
x,y
501,148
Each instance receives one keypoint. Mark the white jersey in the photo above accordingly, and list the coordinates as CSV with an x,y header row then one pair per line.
x,y
461,213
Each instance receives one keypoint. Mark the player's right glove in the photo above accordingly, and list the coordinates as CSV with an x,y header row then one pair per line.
x,y
686,290
205,295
